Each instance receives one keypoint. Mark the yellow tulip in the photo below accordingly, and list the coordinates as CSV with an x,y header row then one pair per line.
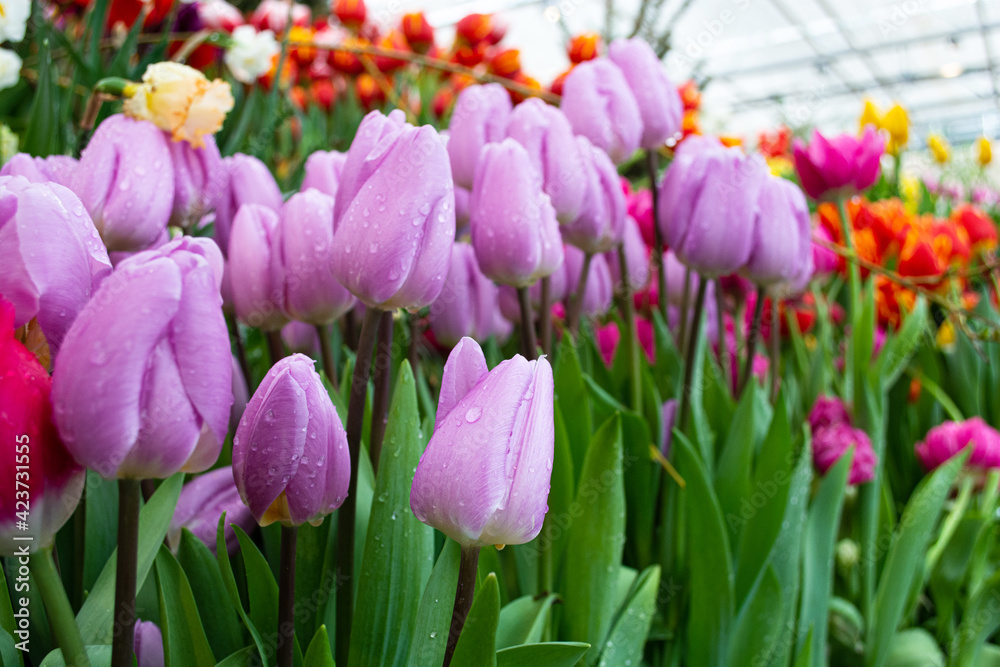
x,y
180,100
939,148
897,123
869,116
984,154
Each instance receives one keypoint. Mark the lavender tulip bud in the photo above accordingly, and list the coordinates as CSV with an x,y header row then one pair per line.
x,y
143,384
125,181
514,228
601,222
658,100
55,168
290,457
148,644
599,289
304,245
782,237
708,203
199,180
599,105
52,256
469,303
323,171
202,502
247,180
255,271
479,117
300,338
548,137
484,477
395,215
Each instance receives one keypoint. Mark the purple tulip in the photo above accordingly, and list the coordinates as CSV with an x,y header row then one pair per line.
x,y
52,256
844,165
831,442
247,181
255,271
484,477
601,222
599,288
202,502
395,215
148,644
55,168
479,117
675,273
469,303
143,383
304,248
828,411
199,181
948,439
125,181
290,457
657,97
782,235
548,137
514,228
300,337
323,170
636,257
600,105
708,203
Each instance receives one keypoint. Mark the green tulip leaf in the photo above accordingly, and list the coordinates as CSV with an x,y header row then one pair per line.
x,y
234,595
595,542
184,640
572,399
754,632
549,654
318,654
430,634
399,552
245,657
914,648
477,643
222,625
95,617
99,655
627,638
522,621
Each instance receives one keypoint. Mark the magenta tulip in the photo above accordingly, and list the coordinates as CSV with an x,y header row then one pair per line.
x,y
844,165
829,443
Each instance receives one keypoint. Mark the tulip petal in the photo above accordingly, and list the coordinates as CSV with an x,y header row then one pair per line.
x,y
465,367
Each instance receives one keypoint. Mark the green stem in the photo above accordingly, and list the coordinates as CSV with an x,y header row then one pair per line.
x,y
545,315
692,344
720,326
758,312
380,397
61,617
463,598
854,304
346,514
685,306
129,493
326,354
628,313
661,273
576,299
775,349
275,346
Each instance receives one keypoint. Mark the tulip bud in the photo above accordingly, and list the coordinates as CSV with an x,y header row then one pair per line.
x,y
514,228
827,411
468,304
255,270
418,32
484,477
290,457
143,384
657,97
52,256
32,451
479,118
125,182
707,206
395,215
600,106
599,290
844,165
636,258
148,644
202,502
546,134
782,235
300,338
247,180
55,168
199,179
304,247
323,170
602,219
831,442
